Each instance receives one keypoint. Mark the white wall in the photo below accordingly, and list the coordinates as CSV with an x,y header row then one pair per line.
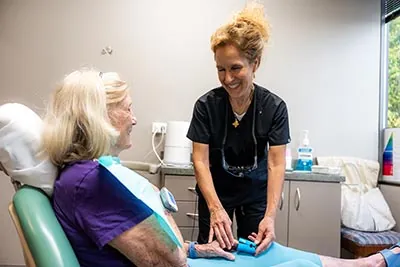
x,y
323,59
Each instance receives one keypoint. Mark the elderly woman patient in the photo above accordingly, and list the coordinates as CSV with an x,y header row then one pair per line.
x,y
89,116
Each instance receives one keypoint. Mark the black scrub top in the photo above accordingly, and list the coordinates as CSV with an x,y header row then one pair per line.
x,y
212,121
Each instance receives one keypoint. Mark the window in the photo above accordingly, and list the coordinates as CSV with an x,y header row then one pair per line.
x,y
393,73
390,97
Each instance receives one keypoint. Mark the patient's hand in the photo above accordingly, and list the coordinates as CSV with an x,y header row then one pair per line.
x,y
213,250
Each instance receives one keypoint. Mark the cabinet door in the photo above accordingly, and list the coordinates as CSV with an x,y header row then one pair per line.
x,y
314,217
281,221
189,233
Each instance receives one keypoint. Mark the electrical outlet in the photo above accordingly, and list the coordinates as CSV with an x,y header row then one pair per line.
x,y
159,127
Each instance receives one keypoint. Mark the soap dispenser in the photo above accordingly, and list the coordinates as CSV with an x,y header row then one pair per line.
x,y
304,153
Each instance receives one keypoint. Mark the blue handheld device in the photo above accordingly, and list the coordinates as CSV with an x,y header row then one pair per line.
x,y
168,200
246,246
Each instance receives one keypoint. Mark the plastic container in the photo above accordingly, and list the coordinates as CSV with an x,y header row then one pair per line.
x,y
288,158
304,152
177,146
246,246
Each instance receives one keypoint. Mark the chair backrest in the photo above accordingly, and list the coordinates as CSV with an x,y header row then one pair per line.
x,y
29,262
40,230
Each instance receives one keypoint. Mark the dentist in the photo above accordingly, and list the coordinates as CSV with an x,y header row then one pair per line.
x,y
239,132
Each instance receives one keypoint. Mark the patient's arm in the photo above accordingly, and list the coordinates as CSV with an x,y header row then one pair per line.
x,y
146,244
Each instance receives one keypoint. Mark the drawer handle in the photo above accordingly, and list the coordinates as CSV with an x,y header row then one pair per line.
x,y
282,199
192,215
193,190
298,197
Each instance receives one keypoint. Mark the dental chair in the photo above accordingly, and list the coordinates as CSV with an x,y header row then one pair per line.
x,y
43,241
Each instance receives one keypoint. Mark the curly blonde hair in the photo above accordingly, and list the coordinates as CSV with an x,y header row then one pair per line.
x,y
248,31
77,124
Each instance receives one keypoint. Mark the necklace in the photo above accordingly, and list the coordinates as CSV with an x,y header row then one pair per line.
x,y
236,122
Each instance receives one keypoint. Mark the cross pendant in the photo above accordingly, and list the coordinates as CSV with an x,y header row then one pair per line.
x,y
235,123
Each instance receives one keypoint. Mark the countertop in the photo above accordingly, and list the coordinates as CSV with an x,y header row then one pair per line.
x,y
289,175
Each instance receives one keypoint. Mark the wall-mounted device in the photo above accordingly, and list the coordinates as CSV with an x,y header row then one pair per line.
x,y
177,147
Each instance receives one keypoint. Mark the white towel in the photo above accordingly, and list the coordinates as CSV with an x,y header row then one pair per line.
x,y
20,138
363,205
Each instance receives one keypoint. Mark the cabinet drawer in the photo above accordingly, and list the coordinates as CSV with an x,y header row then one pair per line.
x,y
182,187
189,233
187,214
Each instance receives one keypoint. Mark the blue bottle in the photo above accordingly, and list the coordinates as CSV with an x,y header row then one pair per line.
x,y
304,154
246,246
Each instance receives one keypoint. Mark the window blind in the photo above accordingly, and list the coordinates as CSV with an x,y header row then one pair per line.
x,y
392,9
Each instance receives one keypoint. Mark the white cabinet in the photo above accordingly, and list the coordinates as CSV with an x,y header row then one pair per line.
x,y
183,189
308,216
314,217
282,216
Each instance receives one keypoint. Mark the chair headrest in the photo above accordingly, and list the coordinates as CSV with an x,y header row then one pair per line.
x,y
20,139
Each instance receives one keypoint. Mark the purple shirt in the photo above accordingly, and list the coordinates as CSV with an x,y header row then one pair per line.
x,y
92,213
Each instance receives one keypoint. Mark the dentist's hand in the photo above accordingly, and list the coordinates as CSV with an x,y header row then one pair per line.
x,y
265,235
220,225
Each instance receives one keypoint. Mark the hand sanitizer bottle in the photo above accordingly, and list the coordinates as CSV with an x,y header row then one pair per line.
x,y
304,151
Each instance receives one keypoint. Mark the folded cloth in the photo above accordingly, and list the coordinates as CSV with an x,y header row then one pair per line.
x,y
385,238
20,138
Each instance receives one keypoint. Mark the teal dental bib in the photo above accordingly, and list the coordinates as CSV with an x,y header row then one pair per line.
x,y
123,178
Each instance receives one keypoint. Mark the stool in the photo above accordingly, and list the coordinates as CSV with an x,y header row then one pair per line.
x,y
363,244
